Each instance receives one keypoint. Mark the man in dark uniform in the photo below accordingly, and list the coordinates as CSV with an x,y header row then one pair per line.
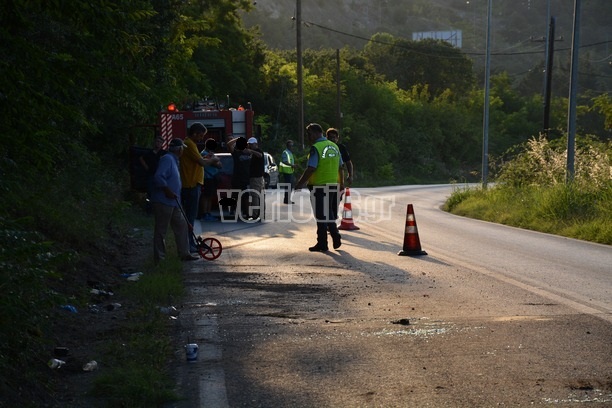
x,y
334,135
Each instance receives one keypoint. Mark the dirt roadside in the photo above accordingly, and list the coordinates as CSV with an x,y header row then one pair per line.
x,y
86,334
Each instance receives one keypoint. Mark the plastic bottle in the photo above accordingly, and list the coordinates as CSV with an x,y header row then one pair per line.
x,y
132,276
70,308
55,363
91,366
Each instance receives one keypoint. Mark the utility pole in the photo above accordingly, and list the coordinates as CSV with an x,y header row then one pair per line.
x,y
571,116
550,49
485,132
547,41
300,90
338,110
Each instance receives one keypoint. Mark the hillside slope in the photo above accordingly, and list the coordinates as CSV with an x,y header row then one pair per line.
x,y
517,27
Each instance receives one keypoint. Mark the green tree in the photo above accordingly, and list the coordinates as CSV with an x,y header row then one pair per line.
x,y
434,63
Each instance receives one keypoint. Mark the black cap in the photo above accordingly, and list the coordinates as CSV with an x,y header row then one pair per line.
x,y
177,143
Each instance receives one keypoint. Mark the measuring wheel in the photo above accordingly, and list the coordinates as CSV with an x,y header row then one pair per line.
x,y
209,248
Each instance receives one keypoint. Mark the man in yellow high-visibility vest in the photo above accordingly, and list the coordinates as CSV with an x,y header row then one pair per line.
x,y
321,176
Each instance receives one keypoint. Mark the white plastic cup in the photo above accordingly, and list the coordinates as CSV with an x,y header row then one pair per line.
x,y
191,351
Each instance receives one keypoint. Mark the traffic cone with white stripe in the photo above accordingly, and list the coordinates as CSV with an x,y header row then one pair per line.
x,y
347,214
412,244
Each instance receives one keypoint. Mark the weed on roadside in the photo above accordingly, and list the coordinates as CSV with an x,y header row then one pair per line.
x,y
531,193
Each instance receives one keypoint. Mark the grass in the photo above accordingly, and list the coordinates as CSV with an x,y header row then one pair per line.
x,y
138,356
531,191
561,209
37,275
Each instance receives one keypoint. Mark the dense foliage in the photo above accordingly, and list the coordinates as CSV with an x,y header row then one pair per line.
x,y
79,78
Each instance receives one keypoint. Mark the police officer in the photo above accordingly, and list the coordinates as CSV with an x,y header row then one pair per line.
x,y
287,168
321,176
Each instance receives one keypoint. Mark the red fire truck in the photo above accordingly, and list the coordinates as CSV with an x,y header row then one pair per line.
x,y
222,123
173,122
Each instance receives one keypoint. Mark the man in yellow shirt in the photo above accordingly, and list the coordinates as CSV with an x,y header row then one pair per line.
x,y
192,175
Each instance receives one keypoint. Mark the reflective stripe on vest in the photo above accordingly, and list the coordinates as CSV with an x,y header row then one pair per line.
x,y
283,168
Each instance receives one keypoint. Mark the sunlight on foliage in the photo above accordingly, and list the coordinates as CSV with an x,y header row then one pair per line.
x,y
531,192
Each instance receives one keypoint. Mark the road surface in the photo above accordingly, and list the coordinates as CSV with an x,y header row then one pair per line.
x,y
492,316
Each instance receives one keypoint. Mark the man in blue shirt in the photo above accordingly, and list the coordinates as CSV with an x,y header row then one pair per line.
x,y
166,197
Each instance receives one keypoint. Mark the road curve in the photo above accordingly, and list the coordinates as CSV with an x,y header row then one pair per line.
x,y
576,272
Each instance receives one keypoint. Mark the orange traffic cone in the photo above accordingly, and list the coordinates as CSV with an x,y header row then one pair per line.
x,y
412,244
347,214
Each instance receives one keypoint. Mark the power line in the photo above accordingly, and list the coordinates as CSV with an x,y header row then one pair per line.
x,y
465,53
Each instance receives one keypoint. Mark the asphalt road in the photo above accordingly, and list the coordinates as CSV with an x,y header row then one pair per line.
x,y
492,316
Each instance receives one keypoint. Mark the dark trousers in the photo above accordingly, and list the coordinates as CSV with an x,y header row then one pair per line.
x,y
324,201
288,181
191,203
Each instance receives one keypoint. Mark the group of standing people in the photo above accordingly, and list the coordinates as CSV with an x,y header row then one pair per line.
x,y
178,177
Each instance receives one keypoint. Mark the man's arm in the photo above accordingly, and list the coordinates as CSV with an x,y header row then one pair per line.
x,y
349,169
253,152
304,178
231,144
285,160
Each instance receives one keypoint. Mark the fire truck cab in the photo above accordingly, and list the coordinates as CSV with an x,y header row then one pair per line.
x,y
222,123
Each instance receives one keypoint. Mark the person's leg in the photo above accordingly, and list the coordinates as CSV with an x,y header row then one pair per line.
x,y
318,200
257,187
245,198
181,233
162,214
332,202
288,186
191,198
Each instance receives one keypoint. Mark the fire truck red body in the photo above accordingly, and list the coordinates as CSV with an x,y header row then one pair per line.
x,y
222,124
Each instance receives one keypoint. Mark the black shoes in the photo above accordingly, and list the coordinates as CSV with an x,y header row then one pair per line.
x,y
318,248
337,240
190,257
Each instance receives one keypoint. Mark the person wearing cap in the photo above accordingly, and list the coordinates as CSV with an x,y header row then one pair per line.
x,y
242,155
192,175
287,168
321,176
256,178
165,199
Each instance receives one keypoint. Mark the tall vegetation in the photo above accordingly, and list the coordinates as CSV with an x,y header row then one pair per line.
x,y
535,191
77,82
